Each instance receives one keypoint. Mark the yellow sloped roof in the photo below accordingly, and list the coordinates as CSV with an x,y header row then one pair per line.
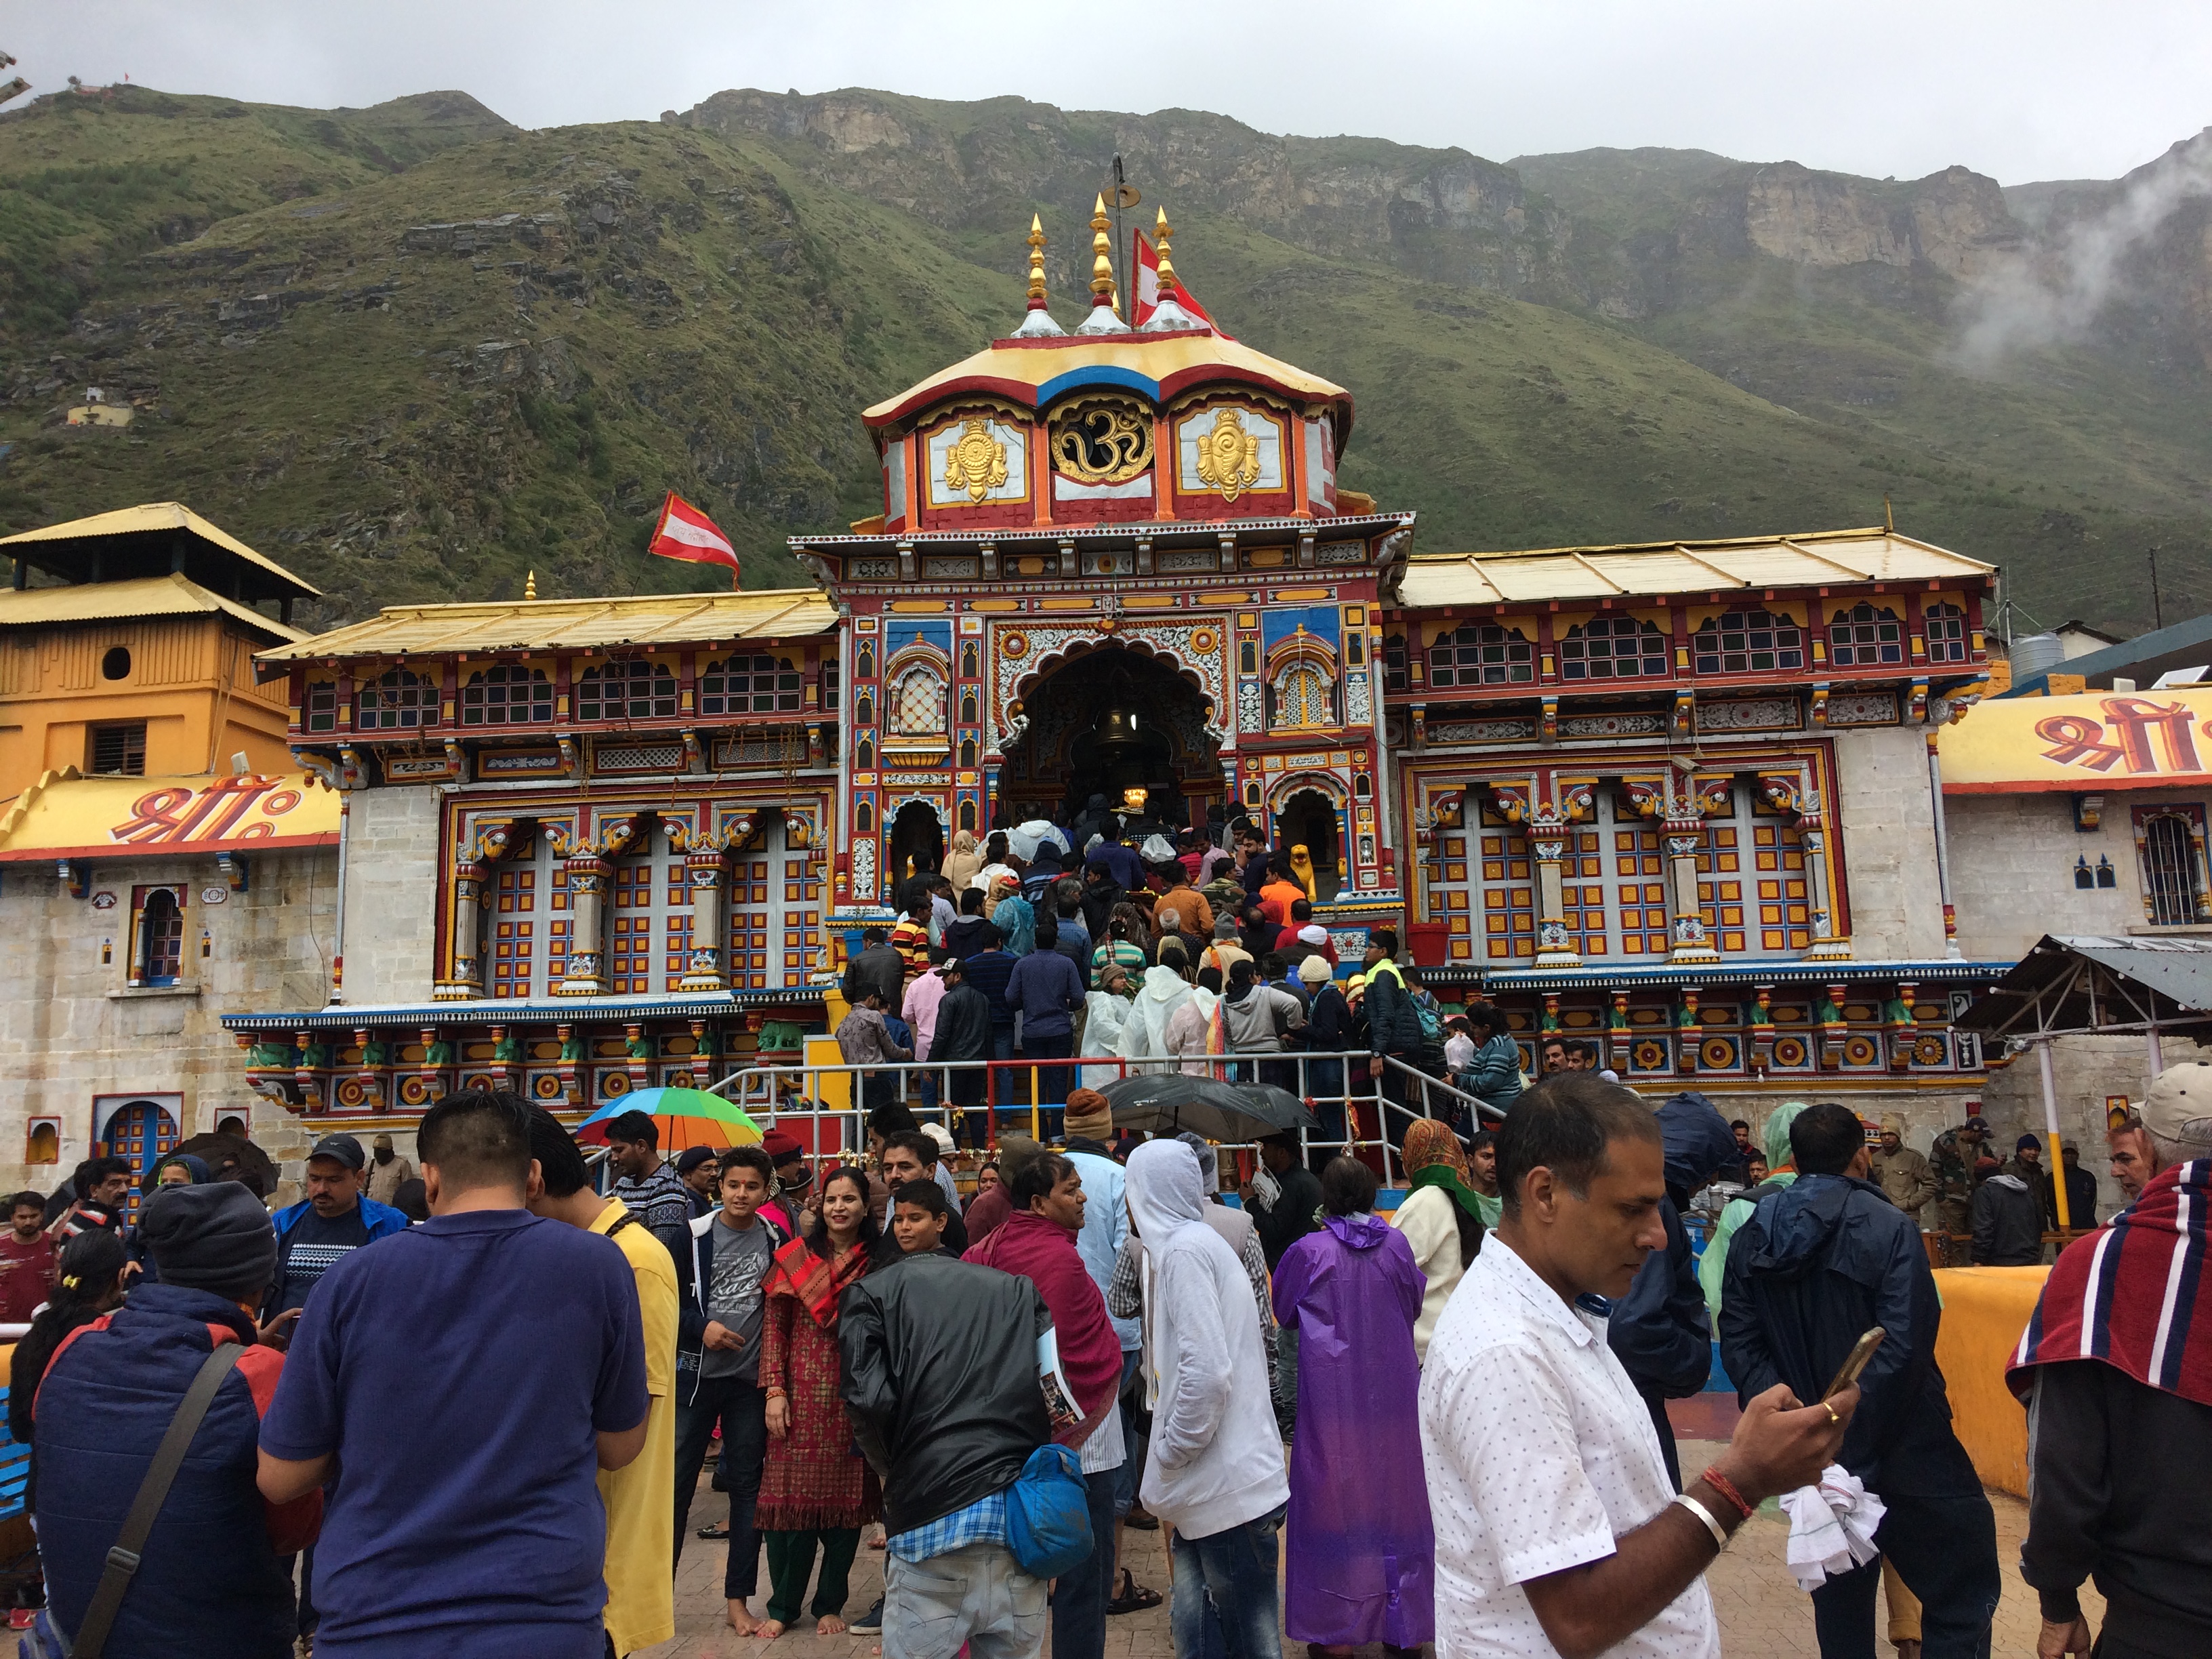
x,y
645,619
157,515
1161,366
1824,558
67,815
143,596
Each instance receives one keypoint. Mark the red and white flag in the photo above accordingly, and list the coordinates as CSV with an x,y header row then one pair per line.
x,y
1147,265
684,532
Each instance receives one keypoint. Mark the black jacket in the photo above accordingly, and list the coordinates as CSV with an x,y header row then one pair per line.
x,y
1394,1024
879,969
1292,1217
1660,1331
962,1030
2117,1476
1818,1263
965,936
2008,1222
939,1362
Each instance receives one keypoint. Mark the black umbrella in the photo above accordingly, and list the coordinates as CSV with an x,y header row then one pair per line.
x,y
255,1169
1168,1103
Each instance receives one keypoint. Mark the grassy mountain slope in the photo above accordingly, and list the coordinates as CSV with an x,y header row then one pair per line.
x,y
416,352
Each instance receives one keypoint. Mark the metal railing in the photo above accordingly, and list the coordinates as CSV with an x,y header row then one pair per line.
x,y
827,1106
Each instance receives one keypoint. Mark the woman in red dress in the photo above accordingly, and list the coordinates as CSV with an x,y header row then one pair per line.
x,y
817,1491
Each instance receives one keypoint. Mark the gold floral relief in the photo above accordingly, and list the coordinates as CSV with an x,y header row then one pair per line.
x,y
977,462
1101,442
1229,456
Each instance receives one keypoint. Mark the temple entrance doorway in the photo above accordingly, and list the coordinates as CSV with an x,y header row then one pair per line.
x,y
1308,819
917,842
1115,723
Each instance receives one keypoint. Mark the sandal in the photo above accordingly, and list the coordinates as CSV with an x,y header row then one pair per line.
x,y
1133,1597
718,1531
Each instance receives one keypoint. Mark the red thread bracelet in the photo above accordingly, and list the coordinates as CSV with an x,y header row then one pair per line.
x,y
1721,1484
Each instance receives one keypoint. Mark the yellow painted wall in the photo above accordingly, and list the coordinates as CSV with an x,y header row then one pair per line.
x,y
1984,1311
191,681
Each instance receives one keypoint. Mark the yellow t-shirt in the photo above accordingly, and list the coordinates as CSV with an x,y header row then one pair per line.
x,y
640,1499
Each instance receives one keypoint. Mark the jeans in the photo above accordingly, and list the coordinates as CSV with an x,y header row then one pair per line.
x,y
1233,1568
1945,1549
1079,1597
739,1405
978,1594
791,1564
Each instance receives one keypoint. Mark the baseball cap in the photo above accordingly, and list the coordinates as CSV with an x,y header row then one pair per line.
x,y
345,1148
2180,1095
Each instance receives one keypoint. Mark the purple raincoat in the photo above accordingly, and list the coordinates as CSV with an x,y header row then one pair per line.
x,y
1360,1552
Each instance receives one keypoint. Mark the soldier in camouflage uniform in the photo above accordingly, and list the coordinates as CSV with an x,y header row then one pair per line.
x,y
1952,1160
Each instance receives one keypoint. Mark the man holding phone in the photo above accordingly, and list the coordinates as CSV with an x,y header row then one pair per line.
x,y
1818,1265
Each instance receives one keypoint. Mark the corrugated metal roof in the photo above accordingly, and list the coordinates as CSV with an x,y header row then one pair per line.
x,y
2076,983
1825,558
645,619
154,516
143,596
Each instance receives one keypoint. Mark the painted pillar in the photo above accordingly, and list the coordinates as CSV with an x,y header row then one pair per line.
x,y
464,976
1827,945
587,945
1548,840
704,969
1684,832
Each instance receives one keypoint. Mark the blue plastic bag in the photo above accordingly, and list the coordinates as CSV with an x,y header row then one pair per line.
x,y
1048,1513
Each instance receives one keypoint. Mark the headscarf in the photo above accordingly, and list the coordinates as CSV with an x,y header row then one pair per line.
x,y
815,1280
195,1167
965,860
1712,1265
1434,1158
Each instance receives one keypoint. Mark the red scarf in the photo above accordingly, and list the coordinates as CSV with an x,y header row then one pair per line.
x,y
1043,1252
2135,1293
815,1280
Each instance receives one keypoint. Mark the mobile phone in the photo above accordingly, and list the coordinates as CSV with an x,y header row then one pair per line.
x,y
1855,1362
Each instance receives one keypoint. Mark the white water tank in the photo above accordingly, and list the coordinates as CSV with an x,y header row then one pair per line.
x,y
2039,653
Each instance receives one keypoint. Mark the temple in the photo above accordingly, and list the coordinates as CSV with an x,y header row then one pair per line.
x,y
1680,799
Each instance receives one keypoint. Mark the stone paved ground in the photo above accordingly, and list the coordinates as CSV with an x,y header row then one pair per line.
x,y
1763,1614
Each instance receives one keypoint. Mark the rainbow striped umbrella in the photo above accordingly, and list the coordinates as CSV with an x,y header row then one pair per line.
x,y
685,1118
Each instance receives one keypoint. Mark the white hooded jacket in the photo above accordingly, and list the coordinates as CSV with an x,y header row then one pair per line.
x,y
1145,1035
1217,1457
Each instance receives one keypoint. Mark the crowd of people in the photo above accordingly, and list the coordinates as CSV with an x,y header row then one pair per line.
x,y
1444,1424
1144,952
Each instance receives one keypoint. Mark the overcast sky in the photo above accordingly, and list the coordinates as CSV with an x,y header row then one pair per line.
x,y
2023,89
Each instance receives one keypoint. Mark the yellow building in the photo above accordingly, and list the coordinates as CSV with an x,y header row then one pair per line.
x,y
134,655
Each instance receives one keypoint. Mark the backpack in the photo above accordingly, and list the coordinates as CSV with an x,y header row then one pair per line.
x,y
1048,1513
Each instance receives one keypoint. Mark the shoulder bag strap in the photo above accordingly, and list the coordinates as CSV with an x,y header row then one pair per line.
x,y
123,1559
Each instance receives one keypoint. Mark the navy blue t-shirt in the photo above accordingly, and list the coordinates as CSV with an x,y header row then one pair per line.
x,y
459,1370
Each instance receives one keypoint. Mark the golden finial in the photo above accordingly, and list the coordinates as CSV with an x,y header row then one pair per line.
x,y
530,586
1161,231
1102,255
1036,262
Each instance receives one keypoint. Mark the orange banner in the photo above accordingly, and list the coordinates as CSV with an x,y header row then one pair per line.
x,y
2097,740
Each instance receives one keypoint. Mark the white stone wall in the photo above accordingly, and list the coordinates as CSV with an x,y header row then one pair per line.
x,y
2012,868
1887,833
391,894
71,1028
2085,1071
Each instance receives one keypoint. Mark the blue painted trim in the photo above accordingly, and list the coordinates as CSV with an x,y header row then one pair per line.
x,y
1097,375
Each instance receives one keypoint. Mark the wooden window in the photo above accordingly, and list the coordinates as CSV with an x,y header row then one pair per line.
x,y
749,685
399,700
1747,643
1612,647
1485,655
1394,662
158,958
1864,637
120,751
1947,633
626,690
322,709
507,695
2173,886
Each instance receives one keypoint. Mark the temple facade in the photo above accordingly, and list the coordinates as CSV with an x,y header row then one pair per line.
x,y
1682,801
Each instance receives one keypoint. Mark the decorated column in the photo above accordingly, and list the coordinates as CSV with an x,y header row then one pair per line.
x,y
463,979
587,944
706,968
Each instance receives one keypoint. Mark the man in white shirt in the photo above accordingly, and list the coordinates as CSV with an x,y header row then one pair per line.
x,y
1557,1530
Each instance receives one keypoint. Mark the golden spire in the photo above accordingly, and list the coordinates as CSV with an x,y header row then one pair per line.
x,y
1102,257
530,586
1036,262
1161,231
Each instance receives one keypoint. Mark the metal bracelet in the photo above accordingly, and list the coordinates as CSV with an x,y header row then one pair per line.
x,y
1720,1537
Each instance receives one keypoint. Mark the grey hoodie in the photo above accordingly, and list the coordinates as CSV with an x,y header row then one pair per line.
x,y
1217,1457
